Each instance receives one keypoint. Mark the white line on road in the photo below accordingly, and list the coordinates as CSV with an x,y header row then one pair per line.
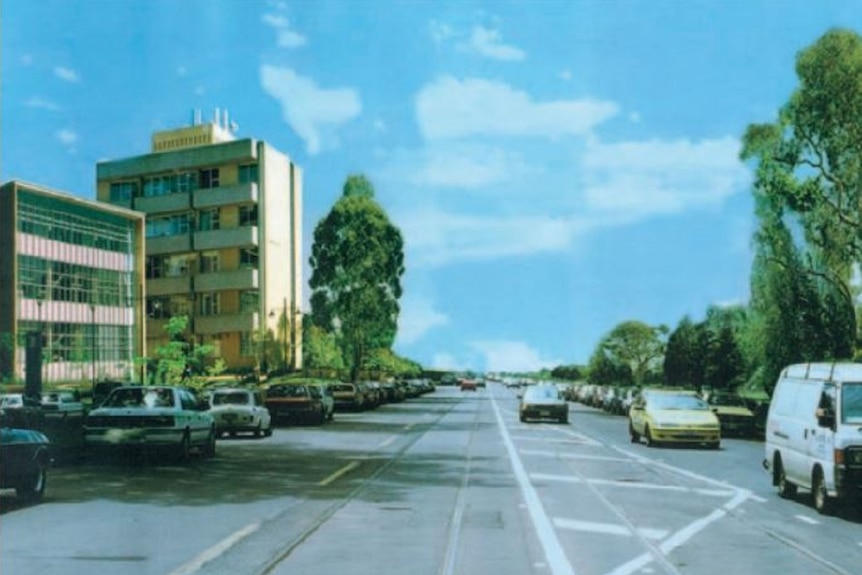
x,y
556,557
346,469
808,520
607,528
216,550
632,484
387,442
558,455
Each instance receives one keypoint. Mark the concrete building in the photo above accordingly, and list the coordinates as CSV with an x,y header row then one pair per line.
x,y
72,270
224,236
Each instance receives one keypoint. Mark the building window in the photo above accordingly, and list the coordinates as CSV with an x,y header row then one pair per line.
x,y
169,184
248,174
168,226
248,215
209,178
158,307
123,191
209,262
249,301
248,258
246,344
210,304
209,220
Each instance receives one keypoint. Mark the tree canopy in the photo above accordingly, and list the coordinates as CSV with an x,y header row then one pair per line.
x,y
357,260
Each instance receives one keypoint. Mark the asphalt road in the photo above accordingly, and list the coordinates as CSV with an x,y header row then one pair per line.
x,y
450,483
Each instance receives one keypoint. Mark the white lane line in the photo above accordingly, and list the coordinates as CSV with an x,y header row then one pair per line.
x,y
608,528
807,520
556,557
387,442
216,550
558,455
346,469
632,484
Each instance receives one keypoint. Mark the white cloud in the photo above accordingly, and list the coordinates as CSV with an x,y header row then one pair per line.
x,y
639,179
42,103
67,74
512,356
287,36
489,44
439,31
66,137
417,317
307,108
435,238
449,108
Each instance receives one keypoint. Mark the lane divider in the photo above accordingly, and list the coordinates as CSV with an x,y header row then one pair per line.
x,y
344,470
216,550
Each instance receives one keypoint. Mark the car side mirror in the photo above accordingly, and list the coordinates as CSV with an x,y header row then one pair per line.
x,y
825,417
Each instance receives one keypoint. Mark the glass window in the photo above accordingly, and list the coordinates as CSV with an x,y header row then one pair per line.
x,y
209,262
209,178
248,174
246,344
123,191
168,226
248,258
210,304
249,301
209,220
248,215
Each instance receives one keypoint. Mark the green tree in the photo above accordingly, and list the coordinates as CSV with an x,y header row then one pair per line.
x,y
320,350
172,358
637,345
685,355
606,369
357,260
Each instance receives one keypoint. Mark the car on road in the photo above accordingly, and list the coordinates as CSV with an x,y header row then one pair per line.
x,y
24,462
733,413
348,397
239,410
152,416
673,416
301,402
62,404
468,385
11,401
543,402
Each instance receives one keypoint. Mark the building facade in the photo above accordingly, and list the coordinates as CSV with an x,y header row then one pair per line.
x,y
71,270
223,240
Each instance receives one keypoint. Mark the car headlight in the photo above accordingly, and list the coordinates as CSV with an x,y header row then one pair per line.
x,y
854,457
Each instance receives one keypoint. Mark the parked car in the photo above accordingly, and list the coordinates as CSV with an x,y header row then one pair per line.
x,y
673,416
813,437
347,397
468,384
236,410
297,402
152,416
543,402
733,413
11,401
62,404
24,462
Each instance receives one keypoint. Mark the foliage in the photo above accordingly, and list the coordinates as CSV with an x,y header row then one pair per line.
x,y
357,260
320,349
605,369
568,372
685,355
636,345
172,358
388,362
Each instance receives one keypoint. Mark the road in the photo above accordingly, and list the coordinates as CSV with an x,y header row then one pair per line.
x,y
446,484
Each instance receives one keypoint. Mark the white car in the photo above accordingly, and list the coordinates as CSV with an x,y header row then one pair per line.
x,y
238,410
157,416
62,404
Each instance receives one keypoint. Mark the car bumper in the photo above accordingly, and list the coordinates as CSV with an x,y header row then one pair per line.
x,y
121,436
545,412
685,435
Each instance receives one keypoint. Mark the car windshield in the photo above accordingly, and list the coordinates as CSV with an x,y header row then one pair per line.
x,y
674,401
727,400
143,397
543,392
851,403
231,398
288,391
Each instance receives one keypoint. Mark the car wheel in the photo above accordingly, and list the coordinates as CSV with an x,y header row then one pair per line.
x,y
785,488
209,449
268,431
257,431
822,501
633,435
649,439
32,488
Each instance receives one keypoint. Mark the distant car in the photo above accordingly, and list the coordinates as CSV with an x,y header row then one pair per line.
x,y
299,402
24,462
152,416
62,404
733,413
11,401
673,416
543,402
348,397
468,385
236,410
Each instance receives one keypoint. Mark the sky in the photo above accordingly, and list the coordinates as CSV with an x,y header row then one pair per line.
x,y
555,167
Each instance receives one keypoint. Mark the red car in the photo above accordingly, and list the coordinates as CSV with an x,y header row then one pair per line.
x,y
468,385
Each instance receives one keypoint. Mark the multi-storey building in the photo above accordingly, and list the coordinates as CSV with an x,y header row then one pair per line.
x,y
71,270
223,246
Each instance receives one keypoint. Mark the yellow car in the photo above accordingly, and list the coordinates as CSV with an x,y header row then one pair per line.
x,y
673,416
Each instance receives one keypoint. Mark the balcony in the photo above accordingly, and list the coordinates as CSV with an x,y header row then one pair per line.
x,y
225,196
242,279
241,237
166,203
169,244
226,323
168,286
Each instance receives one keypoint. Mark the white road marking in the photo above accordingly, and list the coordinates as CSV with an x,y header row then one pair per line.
x,y
574,441
386,442
216,550
632,484
608,528
558,455
556,557
346,469
808,520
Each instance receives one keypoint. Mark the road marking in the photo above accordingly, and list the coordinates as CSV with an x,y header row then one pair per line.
x,y
216,550
386,442
608,528
808,520
632,484
578,440
346,469
554,554
557,455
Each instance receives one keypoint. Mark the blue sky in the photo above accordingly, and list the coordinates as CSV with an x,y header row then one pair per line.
x,y
556,167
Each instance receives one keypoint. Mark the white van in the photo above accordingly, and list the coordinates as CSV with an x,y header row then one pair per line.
x,y
814,433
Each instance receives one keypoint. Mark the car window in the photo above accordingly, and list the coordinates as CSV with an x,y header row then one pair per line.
x,y
231,398
674,401
851,403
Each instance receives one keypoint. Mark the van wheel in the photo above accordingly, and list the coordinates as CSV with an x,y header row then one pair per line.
x,y
786,489
822,501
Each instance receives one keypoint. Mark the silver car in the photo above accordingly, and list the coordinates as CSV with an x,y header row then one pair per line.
x,y
238,410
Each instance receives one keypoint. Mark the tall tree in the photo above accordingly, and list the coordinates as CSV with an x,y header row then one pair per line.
x,y
637,345
685,355
357,260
